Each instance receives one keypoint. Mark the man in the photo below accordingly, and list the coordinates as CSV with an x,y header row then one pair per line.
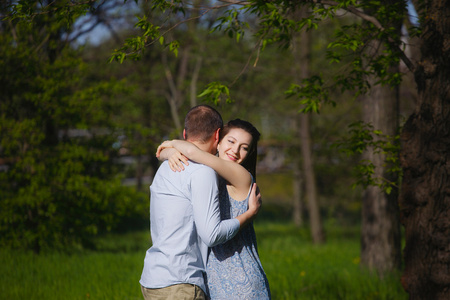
x,y
185,217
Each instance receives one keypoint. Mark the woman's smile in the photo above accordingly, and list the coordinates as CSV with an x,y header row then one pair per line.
x,y
235,145
232,157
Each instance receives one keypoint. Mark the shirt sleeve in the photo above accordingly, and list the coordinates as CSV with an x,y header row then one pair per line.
x,y
205,202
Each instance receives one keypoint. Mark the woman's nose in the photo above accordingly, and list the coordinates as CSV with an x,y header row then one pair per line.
x,y
235,149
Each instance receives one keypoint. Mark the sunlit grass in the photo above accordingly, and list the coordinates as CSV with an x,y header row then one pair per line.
x,y
93,275
296,269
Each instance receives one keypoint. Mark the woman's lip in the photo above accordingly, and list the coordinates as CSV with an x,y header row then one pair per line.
x,y
232,157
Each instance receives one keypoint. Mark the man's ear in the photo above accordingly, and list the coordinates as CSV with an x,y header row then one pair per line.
x,y
217,134
184,133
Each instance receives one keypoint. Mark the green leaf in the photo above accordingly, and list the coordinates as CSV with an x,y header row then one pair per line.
x,y
173,46
216,92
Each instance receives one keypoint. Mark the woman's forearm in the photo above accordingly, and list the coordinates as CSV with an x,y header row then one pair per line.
x,y
166,153
234,173
189,150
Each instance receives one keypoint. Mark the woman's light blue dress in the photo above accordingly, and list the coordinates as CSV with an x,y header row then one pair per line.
x,y
234,270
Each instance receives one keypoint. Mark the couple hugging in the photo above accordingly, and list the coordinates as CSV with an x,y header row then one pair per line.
x,y
203,240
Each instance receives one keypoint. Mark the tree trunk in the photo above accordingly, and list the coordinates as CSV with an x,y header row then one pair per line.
x,y
194,80
317,232
297,205
425,158
175,97
380,224
302,55
184,74
297,212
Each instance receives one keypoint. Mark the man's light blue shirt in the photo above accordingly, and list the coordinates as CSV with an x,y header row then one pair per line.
x,y
184,222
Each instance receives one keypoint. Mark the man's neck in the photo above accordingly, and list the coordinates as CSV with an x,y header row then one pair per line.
x,y
201,146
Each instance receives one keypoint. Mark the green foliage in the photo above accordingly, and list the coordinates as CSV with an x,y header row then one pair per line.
x,y
354,80
278,22
231,24
134,47
216,92
275,26
59,14
173,7
59,185
51,93
363,138
311,94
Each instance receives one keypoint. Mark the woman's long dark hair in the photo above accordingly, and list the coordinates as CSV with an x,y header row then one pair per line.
x,y
250,160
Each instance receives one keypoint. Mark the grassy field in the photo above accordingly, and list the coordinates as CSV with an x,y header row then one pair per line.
x,y
296,269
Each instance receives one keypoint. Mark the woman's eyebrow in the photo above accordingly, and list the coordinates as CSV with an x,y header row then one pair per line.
x,y
230,136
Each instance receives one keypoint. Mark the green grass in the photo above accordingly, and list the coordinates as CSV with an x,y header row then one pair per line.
x,y
112,272
296,269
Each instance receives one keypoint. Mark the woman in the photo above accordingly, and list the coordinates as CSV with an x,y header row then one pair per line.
x,y
234,270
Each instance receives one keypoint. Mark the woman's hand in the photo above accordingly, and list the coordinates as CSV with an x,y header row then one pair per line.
x,y
175,158
254,205
255,201
164,145
177,161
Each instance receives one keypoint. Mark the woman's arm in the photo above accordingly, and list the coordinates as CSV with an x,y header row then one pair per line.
x,y
232,172
176,160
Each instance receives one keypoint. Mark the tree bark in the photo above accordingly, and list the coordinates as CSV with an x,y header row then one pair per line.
x,y
425,158
317,232
297,205
179,80
175,97
380,224
302,55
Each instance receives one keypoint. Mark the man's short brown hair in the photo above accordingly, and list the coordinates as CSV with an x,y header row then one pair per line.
x,y
201,123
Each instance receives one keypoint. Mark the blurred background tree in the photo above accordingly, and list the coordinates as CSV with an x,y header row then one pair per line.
x,y
59,187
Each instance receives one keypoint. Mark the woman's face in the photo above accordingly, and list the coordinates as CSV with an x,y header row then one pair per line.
x,y
235,145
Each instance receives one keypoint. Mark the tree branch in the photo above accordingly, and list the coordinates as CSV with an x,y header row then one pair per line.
x,y
236,2
354,11
82,32
377,24
255,49
357,13
45,9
